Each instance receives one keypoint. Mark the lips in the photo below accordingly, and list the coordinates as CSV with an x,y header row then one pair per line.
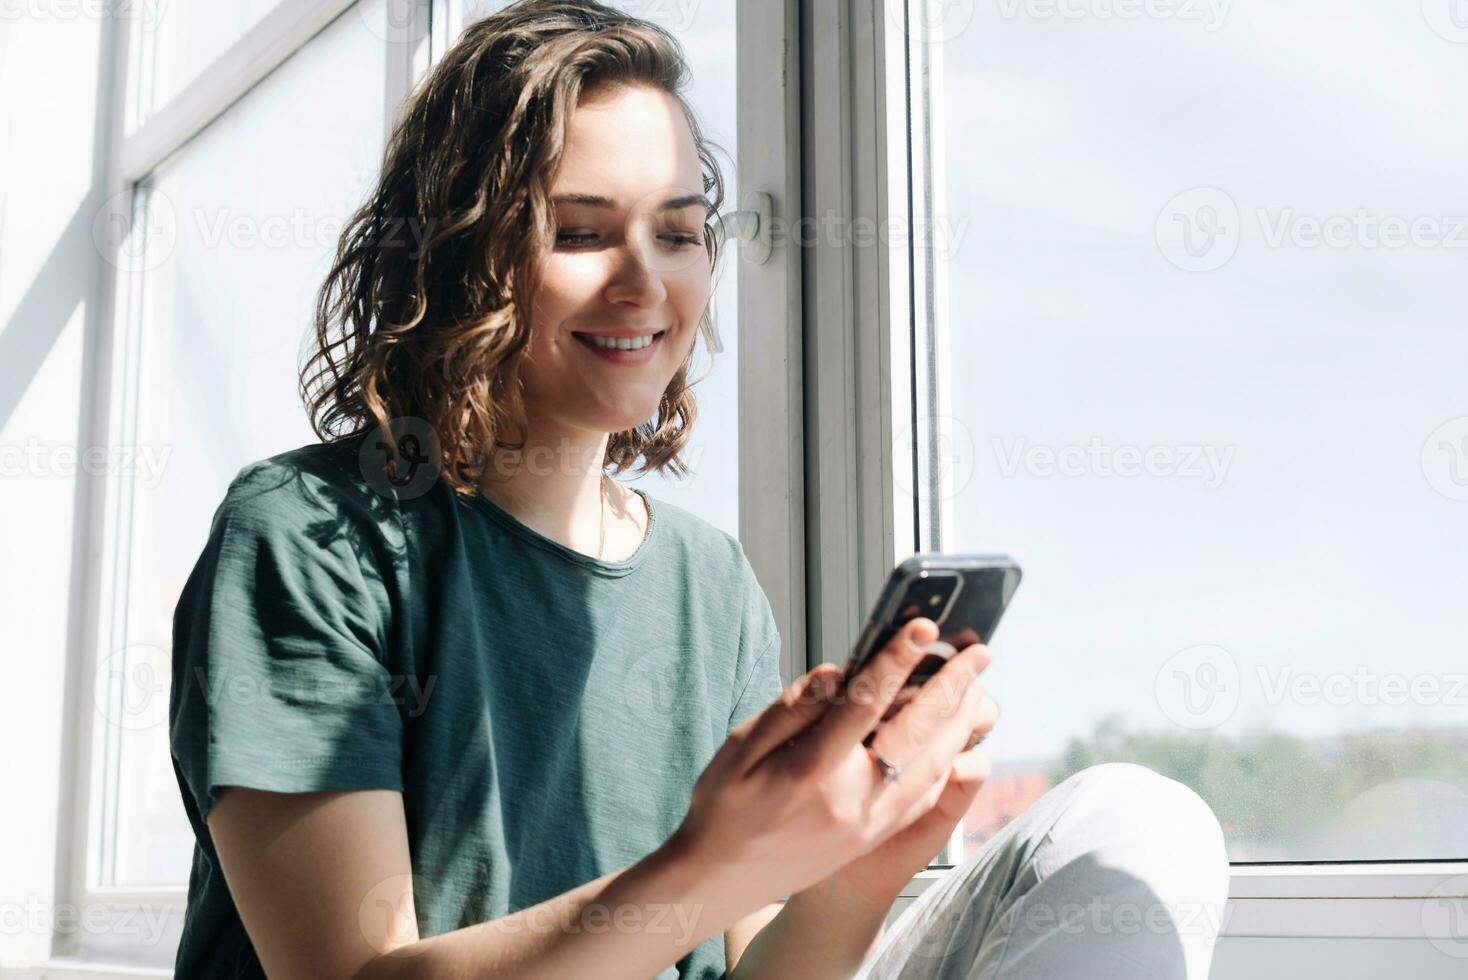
x,y
618,355
620,341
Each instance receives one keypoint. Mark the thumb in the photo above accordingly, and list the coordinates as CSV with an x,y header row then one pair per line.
x,y
966,776
800,706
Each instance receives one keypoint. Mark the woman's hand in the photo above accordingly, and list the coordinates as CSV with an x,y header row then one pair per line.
x,y
794,796
879,875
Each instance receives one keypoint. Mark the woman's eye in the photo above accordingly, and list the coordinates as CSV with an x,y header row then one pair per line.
x,y
575,238
673,240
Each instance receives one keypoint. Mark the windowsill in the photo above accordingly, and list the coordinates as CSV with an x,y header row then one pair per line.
x,y
1341,901
1376,901
71,969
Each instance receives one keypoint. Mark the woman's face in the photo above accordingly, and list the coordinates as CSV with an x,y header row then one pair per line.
x,y
629,261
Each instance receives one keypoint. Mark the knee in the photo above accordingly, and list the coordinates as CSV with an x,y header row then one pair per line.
x,y
1143,805
1144,791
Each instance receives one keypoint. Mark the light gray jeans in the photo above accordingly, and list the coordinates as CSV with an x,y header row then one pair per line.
x,y
1115,873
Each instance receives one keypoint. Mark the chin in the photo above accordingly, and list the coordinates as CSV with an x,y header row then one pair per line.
x,y
620,421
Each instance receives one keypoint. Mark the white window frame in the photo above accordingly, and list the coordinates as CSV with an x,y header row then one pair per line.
x,y
822,377
771,508
856,102
104,947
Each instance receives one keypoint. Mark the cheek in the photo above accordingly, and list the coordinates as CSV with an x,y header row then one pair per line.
x,y
567,283
689,292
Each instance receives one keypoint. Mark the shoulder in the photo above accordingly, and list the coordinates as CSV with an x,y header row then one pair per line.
x,y
320,490
707,545
709,556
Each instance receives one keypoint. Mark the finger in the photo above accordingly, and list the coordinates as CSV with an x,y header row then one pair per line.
x,y
954,738
943,649
931,759
866,696
797,708
966,776
938,706
988,718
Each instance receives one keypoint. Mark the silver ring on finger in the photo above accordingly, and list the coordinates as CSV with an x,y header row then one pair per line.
x,y
890,771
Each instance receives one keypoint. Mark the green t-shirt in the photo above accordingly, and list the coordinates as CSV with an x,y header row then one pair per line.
x,y
544,713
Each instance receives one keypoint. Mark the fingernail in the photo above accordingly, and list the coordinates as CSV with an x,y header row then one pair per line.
x,y
924,631
825,686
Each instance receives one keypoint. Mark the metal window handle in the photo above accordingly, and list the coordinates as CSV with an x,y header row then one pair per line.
x,y
751,227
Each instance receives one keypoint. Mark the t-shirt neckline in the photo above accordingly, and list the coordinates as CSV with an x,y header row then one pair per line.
x,y
600,565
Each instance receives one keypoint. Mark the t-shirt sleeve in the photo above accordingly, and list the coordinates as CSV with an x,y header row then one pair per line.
x,y
759,680
762,688
279,668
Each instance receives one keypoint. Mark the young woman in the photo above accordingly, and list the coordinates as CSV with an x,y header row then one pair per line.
x,y
449,701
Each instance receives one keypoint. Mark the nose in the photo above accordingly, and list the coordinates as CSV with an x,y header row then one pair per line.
x,y
634,277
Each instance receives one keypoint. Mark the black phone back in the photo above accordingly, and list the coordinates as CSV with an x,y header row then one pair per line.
x,y
964,594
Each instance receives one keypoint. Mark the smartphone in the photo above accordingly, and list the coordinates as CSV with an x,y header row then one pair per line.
x,y
964,594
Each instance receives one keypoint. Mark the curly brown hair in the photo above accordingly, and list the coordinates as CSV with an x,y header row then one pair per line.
x,y
421,315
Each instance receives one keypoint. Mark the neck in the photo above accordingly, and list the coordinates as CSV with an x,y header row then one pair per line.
x,y
552,484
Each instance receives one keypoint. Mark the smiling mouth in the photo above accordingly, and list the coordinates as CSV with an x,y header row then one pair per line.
x,y
599,342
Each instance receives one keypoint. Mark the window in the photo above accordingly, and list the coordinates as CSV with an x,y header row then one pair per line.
x,y
232,196
249,137
243,236
180,40
1203,322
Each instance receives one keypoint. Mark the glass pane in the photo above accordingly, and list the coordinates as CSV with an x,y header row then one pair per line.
x,y
245,217
179,39
1207,373
711,487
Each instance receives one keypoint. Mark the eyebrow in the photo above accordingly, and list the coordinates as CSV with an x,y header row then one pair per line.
x,y
598,201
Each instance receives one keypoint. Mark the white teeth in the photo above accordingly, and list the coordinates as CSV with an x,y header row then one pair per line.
x,y
622,343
